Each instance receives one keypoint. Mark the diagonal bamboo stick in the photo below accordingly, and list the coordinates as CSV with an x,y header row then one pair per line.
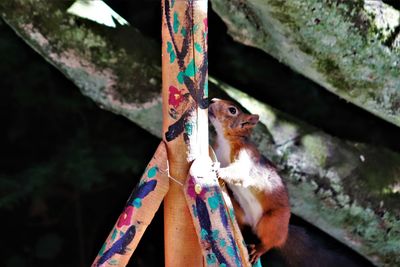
x,y
138,213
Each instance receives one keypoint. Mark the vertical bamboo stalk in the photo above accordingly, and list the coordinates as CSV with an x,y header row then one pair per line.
x,y
182,21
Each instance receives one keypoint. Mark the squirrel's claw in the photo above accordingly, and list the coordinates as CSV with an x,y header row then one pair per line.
x,y
255,253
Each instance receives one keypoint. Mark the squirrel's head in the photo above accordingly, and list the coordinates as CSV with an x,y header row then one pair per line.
x,y
229,120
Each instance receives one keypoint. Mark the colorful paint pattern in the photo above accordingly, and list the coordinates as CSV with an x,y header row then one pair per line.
x,y
218,241
119,247
125,219
192,67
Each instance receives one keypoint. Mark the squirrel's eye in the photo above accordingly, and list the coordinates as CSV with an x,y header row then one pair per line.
x,y
232,110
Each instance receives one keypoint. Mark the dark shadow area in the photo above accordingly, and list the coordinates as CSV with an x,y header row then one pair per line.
x,y
393,3
67,167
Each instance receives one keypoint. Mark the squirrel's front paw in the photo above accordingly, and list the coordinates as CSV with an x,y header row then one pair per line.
x,y
223,173
255,252
228,176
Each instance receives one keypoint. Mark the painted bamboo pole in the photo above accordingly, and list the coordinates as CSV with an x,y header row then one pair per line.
x,y
179,107
213,216
139,211
185,131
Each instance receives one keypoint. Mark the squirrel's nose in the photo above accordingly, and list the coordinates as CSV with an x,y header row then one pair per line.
x,y
214,100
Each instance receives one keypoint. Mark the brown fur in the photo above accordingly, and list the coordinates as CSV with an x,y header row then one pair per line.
x,y
272,227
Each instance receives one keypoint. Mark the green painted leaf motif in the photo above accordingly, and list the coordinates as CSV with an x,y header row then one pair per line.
x,y
215,234
197,46
211,259
170,50
152,172
194,211
191,69
180,77
206,89
232,214
213,202
189,128
103,248
137,202
113,262
195,28
172,3
169,47
231,251
183,32
176,22
114,235
203,234
172,57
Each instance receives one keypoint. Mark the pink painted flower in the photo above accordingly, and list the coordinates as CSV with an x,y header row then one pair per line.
x,y
175,96
205,21
125,217
193,191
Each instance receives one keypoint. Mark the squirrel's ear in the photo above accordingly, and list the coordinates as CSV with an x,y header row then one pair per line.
x,y
253,119
214,100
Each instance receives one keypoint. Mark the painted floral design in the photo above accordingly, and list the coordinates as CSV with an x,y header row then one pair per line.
x,y
191,74
192,191
125,217
176,96
205,21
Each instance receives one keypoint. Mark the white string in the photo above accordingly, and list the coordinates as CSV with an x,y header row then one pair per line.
x,y
173,179
214,168
170,177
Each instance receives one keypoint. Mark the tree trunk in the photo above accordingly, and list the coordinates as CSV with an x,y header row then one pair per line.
x,y
346,189
351,48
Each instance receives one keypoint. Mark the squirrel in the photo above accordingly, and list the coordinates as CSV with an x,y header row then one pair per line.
x,y
259,196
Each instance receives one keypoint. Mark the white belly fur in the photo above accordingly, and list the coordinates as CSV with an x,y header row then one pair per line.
x,y
250,205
